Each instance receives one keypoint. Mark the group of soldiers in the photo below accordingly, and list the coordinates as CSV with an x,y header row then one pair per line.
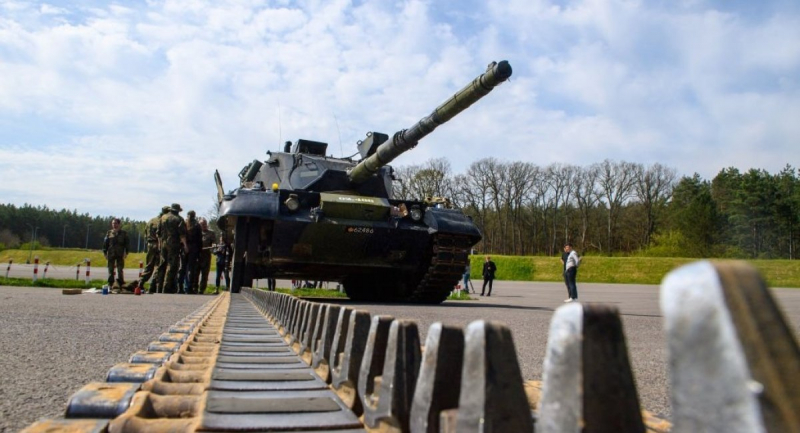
x,y
179,253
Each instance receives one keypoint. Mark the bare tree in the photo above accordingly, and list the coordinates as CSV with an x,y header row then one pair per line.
x,y
401,187
653,189
560,179
521,176
480,191
616,182
432,179
587,196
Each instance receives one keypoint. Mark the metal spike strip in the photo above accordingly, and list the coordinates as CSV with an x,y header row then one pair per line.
x,y
232,368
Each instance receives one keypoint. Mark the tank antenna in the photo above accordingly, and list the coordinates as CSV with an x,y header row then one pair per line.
x,y
341,151
280,130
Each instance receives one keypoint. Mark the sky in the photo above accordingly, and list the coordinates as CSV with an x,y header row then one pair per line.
x,y
119,108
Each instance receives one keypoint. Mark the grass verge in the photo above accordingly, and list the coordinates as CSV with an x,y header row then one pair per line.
x,y
593,269
51,282
626,270
459,295
312,293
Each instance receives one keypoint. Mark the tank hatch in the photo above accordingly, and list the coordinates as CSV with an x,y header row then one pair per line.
x,y
310,147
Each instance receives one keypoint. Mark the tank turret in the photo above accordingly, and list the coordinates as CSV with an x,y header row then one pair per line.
x,y
382,153
305,215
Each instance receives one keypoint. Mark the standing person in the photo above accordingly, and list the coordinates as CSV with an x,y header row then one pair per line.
x,y
158,278
489,268
172,235
115,250
467,270
153,254
564,256
194,242
571,272
204,259
271,283
224,254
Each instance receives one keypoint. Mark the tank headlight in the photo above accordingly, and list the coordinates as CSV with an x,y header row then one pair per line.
x,y
416,213
292,203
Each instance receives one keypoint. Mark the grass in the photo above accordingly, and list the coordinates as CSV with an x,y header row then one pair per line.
x,y
594,269
51,282
459,295
67,257
72,257
312,293
627,270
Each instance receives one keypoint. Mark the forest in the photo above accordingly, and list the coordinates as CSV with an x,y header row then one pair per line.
x,y
617,208
611,208
44,227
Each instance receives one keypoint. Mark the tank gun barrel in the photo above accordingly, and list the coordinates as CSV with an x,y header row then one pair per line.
x,y
406,139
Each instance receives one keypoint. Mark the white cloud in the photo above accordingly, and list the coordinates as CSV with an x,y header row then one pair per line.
x,y
121,109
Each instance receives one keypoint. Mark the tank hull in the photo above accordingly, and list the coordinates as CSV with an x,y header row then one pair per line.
x,y
386,259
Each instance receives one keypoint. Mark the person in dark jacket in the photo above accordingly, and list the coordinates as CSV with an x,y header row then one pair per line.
x,y
489,268
224,254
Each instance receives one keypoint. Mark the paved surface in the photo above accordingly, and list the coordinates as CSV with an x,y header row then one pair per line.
x,y
54,344
528,307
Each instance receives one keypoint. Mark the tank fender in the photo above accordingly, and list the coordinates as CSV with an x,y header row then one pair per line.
x,y
450,221
256,203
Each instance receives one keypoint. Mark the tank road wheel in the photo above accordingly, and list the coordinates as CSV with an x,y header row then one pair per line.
x,y
242,274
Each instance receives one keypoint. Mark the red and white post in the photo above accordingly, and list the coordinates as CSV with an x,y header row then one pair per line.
x,y
36,268
46,265
88,268
77,272
141,267
8,269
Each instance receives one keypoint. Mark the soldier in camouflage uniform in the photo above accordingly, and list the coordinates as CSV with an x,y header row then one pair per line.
x,y
172,238
161,267
194,242
153,254
204,262
115,250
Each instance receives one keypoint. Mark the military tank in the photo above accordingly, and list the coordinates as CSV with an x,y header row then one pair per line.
x,y
304,215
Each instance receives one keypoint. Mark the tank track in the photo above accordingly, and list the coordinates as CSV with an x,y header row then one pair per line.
x,y
450,255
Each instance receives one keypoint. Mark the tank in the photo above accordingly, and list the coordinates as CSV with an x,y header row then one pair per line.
x,y
306,216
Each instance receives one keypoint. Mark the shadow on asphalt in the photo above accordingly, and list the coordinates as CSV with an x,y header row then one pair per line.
x,y
464,304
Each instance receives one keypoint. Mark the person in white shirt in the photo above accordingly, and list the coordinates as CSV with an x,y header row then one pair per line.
x,y
571,272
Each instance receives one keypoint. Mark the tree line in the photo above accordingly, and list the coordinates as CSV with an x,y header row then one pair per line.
x,y
609,208
617,208
31,226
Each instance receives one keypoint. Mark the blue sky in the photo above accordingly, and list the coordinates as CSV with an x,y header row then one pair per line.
x,y
117,108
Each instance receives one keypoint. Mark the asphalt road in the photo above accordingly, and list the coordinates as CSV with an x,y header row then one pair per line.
x,y
54,344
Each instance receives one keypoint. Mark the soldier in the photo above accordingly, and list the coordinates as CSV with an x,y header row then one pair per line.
x,y
194,242
158,276
153,254
224,254
115,250
172,236
204,260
